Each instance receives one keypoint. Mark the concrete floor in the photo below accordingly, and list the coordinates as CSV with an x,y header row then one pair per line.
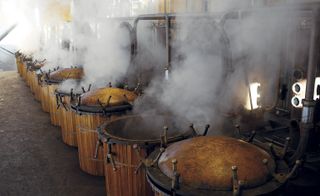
x,y
33,158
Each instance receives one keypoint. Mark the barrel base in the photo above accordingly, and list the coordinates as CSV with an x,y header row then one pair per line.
x,y
44,98
122,178
68,126
87,139
53,107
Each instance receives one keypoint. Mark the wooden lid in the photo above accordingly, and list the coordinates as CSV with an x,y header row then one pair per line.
x,y
206,162
66,73
107,97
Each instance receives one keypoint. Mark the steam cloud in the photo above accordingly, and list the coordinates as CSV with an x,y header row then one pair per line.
x,y
196,89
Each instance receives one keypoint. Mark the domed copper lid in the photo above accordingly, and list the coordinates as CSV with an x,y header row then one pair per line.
x,y
66,73
205,163
107,97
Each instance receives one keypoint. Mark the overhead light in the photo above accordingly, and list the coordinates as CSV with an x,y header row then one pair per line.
x,y
253,97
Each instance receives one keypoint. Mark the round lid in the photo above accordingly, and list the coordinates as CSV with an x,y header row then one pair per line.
x,y
34,66
73,86
146,128
205,163
37,66
66,73
107,97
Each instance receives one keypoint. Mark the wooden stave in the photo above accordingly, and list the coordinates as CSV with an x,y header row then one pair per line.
x,y
54,114
23,70
36,86
68,124
32,82
28,78
44,94
18,64
87,143
126,179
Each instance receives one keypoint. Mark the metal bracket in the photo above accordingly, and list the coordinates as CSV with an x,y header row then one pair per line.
x,y
282,177
164,137
79,101
96,152
205,132
194,132
285,149
252,135
110,158
236,184
137,88
238,133
175,181
145,161
89,88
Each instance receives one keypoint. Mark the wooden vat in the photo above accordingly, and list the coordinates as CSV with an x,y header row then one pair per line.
x,y
54,114
126,143
87,137
68,127
19,63
113,102
32,85
44,96
24,71
49,85
36,86
28,77
67,117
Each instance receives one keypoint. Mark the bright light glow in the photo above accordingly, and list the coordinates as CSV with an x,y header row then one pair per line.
x,y
24,35
299,87
316,83
255,95
32,17
37,17
296,101
166,74
299,90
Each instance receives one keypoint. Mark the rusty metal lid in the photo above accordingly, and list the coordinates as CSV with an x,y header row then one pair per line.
x,y
204,163
65,73
107,97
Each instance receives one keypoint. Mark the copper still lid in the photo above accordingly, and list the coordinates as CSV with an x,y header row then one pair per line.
x,y
66,73
205,163
107,97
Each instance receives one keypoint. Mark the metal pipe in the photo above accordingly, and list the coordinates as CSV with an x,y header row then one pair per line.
x,y
306,125
6,50
129,27
167,26
167,17
168,48
3,35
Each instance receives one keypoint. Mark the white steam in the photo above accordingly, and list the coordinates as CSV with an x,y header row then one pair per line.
x,y
198,89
